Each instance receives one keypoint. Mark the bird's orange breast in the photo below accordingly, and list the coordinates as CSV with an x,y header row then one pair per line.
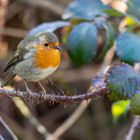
x,y
46,57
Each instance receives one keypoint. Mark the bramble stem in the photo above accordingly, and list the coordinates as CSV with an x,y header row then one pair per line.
x,y
53,98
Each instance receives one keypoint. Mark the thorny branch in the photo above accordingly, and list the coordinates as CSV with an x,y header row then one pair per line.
x,y
96,91
98,87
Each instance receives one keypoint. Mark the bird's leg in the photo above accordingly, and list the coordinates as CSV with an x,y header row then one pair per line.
x,y
56,86
43,89
27,88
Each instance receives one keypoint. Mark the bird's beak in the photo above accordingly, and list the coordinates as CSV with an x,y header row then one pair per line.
x,y
58,48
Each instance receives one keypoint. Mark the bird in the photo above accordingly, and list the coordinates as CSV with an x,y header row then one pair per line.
x,y
36,57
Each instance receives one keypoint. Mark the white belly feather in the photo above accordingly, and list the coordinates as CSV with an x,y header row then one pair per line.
x,y
27,71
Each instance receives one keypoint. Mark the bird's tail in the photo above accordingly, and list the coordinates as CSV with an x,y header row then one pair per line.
x,y
8,79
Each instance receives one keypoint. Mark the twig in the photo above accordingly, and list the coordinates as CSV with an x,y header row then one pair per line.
x,y
108,58
70,121
133,128
8,129
27,114
20,131
1,137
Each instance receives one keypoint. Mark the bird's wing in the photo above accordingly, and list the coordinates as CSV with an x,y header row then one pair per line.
x,y
11,75
21,50
13,62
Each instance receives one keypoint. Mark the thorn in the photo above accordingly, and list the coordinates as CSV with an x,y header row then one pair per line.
x,y
53,84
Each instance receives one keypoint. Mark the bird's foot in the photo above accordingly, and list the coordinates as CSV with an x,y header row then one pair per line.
x,y
27,88
43,89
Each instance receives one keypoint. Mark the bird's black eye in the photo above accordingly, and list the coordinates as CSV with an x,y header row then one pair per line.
x,y
46,44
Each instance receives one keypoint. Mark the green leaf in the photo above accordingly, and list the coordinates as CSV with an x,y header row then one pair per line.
x,y
129,21
48,27
135,104
82,43
130,24
123,82
134,9
120,108
113,13
128,47
85,9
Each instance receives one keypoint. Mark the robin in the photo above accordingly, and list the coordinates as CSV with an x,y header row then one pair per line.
x,y
37,57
